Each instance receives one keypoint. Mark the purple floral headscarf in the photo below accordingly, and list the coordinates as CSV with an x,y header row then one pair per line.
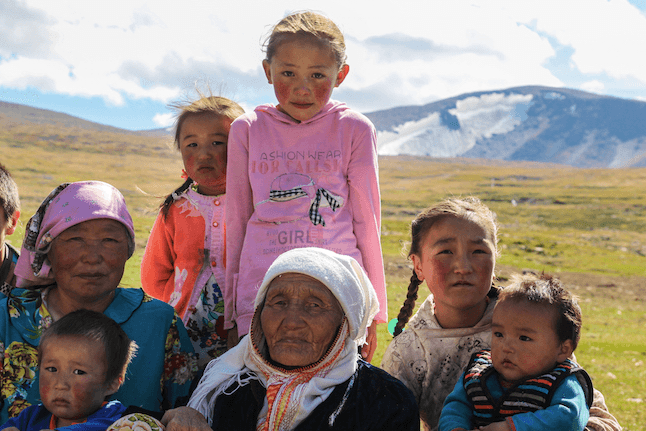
x,y
67,205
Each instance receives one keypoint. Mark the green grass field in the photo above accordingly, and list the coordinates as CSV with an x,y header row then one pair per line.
x,y
588,226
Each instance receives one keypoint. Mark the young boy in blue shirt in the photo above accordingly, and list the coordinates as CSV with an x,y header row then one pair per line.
x,y
83,358
526,381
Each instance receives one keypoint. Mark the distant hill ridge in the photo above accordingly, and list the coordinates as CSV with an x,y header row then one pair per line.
x,y
532,123
27,127
22,113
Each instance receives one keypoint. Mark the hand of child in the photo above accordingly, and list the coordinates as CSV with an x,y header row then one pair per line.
x,y
232,338
368,350
15,429
497,426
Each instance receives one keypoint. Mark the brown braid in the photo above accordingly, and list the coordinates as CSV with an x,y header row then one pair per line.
x,y
165,206
409,304
493,292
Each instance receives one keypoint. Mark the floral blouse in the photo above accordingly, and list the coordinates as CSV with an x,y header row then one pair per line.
x,y
184,266
158,378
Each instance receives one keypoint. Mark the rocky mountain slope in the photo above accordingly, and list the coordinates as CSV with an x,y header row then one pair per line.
x,y
539,124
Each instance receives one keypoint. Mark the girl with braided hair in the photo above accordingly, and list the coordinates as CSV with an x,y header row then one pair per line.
x,y
453,250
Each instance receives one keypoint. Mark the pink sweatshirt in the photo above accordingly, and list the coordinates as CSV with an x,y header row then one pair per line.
x,y
290,185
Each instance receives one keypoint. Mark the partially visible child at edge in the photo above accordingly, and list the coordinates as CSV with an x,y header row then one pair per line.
x,y
9,215
184,260
453,249
526,381
82,358
301,173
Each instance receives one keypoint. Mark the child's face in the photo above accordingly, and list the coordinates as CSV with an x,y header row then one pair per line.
x,y
303,72
524,342
203,145
457,261
72,378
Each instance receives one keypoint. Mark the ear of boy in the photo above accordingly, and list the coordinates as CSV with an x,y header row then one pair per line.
x,y
13,222
566,350
114,386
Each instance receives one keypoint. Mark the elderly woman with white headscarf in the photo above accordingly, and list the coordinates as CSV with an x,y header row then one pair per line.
x,y
299,366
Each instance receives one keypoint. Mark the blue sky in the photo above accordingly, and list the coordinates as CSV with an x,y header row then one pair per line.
x,y
121,62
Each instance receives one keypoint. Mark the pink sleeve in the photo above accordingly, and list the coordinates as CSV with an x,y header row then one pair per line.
x,y
238,212
365,199
157,264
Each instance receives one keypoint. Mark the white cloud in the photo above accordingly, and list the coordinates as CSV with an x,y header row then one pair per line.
x,y
606,35
164,120
414,53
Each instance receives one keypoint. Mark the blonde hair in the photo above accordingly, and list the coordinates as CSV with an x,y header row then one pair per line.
x,y
205,104
216,105
310,24
469,208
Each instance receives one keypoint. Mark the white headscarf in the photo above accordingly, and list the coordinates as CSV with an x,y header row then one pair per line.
x,y
301,390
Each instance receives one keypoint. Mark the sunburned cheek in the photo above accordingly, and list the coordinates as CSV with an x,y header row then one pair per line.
x,y
81,392
322,93
189,163
439,270
44,391
282,91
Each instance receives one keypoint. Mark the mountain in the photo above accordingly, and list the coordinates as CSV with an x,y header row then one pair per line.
x,y
536,124
540,124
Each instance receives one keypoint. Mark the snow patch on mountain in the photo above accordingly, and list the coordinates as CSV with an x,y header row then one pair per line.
x,y
628,152
438,135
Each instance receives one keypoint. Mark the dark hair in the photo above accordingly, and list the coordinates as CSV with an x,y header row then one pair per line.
x,y
469,208
92,325
216,105
9,200
309,24
548,290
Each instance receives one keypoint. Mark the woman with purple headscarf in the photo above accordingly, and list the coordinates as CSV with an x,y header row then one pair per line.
x,y
73,257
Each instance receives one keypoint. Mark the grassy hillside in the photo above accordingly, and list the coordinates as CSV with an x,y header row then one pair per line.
x,y
589,226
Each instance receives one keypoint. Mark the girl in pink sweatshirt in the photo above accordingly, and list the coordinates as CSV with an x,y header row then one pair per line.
x,y
302,173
